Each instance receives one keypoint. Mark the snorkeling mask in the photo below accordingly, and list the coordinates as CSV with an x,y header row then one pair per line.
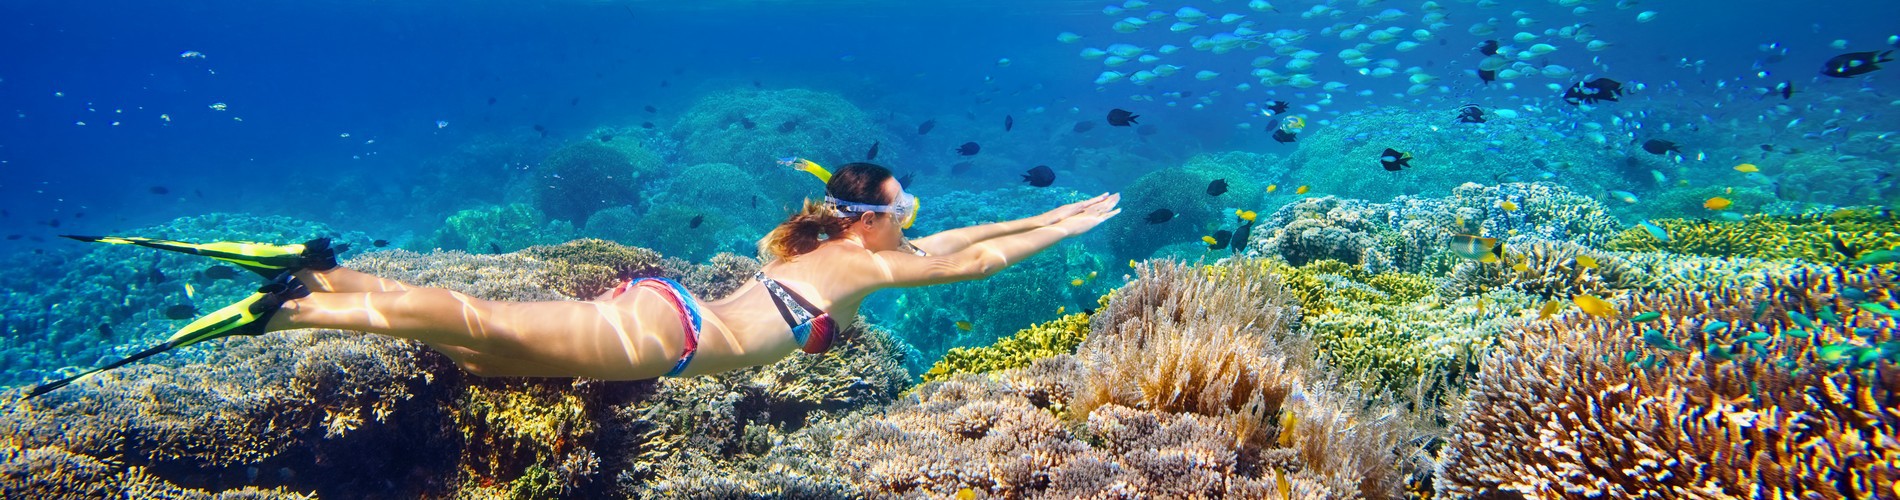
x,y
905,209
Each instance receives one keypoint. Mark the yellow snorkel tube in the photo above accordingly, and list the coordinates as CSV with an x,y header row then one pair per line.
x,y
808,166
824,176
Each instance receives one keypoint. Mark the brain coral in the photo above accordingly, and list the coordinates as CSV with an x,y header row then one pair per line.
x,y
586,176
1785,391
1182,191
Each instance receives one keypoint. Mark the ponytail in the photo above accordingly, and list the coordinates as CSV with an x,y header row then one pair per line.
x,y
802,233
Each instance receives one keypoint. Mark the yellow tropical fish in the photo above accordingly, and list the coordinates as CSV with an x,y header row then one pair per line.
x,y
1717,203
1288,422
1486,250
1521,266
965,325
1131,263
1246,215
1272,187
1091,274
966,494
1594,306
1480,305
189,292
1507,206
1587,262
1747,168
1061,309
1550,307
1075,282
1210,240
1301,190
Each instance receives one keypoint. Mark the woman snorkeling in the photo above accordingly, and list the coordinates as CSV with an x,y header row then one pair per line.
x,y
821,264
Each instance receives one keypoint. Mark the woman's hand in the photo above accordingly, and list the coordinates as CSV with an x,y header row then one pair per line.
x,y
1091,213
1053,217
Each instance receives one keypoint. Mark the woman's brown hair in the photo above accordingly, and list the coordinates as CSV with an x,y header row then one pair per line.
x,y
815,222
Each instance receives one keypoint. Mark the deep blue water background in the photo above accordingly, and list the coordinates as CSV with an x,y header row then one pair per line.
x,y
299,74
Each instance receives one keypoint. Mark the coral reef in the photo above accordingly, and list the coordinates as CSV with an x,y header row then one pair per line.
x,y
318,408
82,302
1549,270
1724,396
585,176
347,415
1215,343
1412,233
1189,385
764,429
1821,238
751,127
496,229
1016,351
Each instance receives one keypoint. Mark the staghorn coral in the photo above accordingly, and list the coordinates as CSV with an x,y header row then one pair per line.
x,y
1586,407
1550,269
1060,336
1817,238
585,176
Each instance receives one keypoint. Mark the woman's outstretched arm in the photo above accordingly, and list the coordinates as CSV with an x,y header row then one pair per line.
x,y
983,258
955,240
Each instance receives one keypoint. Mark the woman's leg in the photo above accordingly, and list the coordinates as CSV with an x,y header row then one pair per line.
x,y
342,279
635,340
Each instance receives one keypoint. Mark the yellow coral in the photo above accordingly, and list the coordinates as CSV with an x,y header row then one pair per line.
x,y
1814,238
1040,341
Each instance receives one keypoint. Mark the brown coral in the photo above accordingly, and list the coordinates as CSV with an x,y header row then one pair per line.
x,y
1756,402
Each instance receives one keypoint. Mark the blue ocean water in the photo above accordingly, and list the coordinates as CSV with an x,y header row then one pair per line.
x,y
385,120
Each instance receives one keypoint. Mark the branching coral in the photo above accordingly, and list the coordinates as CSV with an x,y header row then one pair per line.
x,y
1782,392
1821,238
1040,341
